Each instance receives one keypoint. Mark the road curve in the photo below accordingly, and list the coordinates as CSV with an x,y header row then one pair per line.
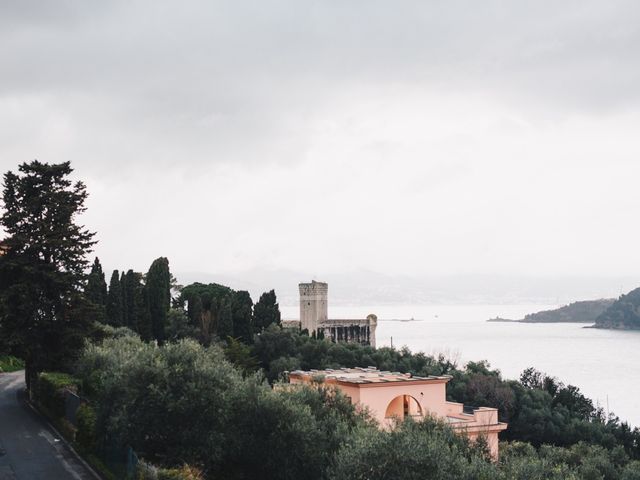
x,y
29,449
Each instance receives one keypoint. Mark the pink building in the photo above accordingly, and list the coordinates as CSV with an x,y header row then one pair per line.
x,y
390,395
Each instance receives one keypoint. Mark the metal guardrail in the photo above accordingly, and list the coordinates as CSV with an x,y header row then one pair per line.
x,y
122,461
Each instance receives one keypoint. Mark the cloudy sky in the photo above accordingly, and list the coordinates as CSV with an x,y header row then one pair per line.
x,y
331,136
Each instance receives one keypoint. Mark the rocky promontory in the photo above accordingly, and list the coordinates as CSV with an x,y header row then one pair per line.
x,y
577,312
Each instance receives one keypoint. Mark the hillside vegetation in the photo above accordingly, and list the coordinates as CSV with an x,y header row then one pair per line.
x,y
577,312
623,314
186,403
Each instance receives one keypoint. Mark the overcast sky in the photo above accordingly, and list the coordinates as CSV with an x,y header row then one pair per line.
x,y
405,137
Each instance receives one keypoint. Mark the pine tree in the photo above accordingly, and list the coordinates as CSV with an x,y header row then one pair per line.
x,y
114,301
242,308
194,310
96,291
266,311
159,295
43,268
210,309
195,313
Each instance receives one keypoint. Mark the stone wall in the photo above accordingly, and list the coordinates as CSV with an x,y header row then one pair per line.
x,y
350,330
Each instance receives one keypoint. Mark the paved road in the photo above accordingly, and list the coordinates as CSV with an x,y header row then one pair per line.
x,y
29,450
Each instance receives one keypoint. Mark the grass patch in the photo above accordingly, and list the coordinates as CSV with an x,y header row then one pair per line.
x,y
10,364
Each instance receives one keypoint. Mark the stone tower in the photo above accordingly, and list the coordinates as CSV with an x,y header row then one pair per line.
x,y
313,305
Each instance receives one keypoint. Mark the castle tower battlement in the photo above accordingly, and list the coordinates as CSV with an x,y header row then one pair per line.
x,y
314,318
314,308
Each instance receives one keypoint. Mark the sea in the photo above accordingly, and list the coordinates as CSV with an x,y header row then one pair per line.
x,y
603,364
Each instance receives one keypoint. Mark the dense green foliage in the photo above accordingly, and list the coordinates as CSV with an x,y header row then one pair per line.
x,y
578,462
151,472
9,363
184,403
129,301
280,349
412,451
136,304
41,310
266,311
179,326
623,314
86,434
96,291
539,409
159,294
242,313
221,312
542,410
209,309
240,355
115,307
429,450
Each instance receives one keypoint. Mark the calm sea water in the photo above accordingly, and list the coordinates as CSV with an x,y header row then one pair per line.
x,y
604,364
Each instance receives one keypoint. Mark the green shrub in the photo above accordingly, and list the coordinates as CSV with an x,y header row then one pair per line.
x,y
48,392
631,471
86,434
149,472
10,364
98,465
184,473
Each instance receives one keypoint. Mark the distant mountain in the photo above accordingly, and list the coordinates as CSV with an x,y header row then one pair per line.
x,y
577,312
370,288
624,314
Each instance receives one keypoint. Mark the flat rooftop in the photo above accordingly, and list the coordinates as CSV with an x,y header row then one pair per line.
x,y
362,375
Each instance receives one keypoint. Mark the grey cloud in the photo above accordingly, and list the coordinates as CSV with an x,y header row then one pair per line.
x,y
220,49
433,124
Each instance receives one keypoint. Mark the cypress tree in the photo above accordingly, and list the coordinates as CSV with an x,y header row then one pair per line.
x,y
159,296
132,305
224,318
242,307
126,302
96,291
143,311
114,301
266,311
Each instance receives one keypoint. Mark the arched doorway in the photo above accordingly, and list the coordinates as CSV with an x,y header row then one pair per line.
x,y
403,406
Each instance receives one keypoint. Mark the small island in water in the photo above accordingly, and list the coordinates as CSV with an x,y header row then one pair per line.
x,y
577,312
620,314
